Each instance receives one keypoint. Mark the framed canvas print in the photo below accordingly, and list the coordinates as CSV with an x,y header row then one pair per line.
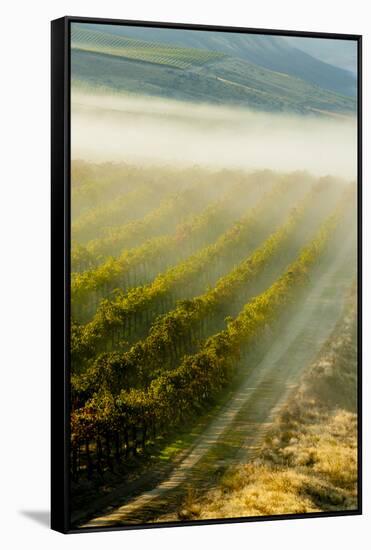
x,y
206,274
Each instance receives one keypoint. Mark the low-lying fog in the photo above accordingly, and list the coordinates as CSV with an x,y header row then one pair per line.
x,y
150,130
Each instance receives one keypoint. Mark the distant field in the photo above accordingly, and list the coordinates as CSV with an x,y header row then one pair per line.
x,y
139,50
122,64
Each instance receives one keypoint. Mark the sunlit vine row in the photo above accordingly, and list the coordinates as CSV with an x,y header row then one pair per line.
x,y
181,329
130,205
160,220
127,419
139,265
128,315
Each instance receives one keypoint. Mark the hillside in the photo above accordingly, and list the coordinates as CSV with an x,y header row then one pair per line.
x,y
271,52
126,65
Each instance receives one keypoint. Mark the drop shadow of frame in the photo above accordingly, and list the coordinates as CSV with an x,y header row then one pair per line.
x,y
42,517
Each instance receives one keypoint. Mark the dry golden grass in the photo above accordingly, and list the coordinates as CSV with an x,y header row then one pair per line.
x,y
316,470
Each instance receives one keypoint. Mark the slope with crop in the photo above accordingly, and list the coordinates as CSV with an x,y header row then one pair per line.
x,y
278,53
218,79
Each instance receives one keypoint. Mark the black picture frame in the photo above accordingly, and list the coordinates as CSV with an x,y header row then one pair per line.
x,y
60,267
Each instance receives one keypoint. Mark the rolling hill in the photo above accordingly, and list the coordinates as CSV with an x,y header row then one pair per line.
x,y
124,64
287,55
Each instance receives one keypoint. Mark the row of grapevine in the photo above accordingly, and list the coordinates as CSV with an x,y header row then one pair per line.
x,y
130,315
160,220
98,184
128,418
127,234
182,330
128,206
139,265
93,184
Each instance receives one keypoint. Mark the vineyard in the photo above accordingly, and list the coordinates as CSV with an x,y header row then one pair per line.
x,y
141,50
179,279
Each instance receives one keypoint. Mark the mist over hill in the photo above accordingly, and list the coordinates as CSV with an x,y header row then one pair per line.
x,y
151,130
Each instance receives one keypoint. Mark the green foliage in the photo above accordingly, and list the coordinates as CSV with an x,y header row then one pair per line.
x,y
115,227
121,318
129,205
174,333
139,265
186,390
122,396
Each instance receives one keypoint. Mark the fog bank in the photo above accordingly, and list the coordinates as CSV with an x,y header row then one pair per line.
x,y
151,130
